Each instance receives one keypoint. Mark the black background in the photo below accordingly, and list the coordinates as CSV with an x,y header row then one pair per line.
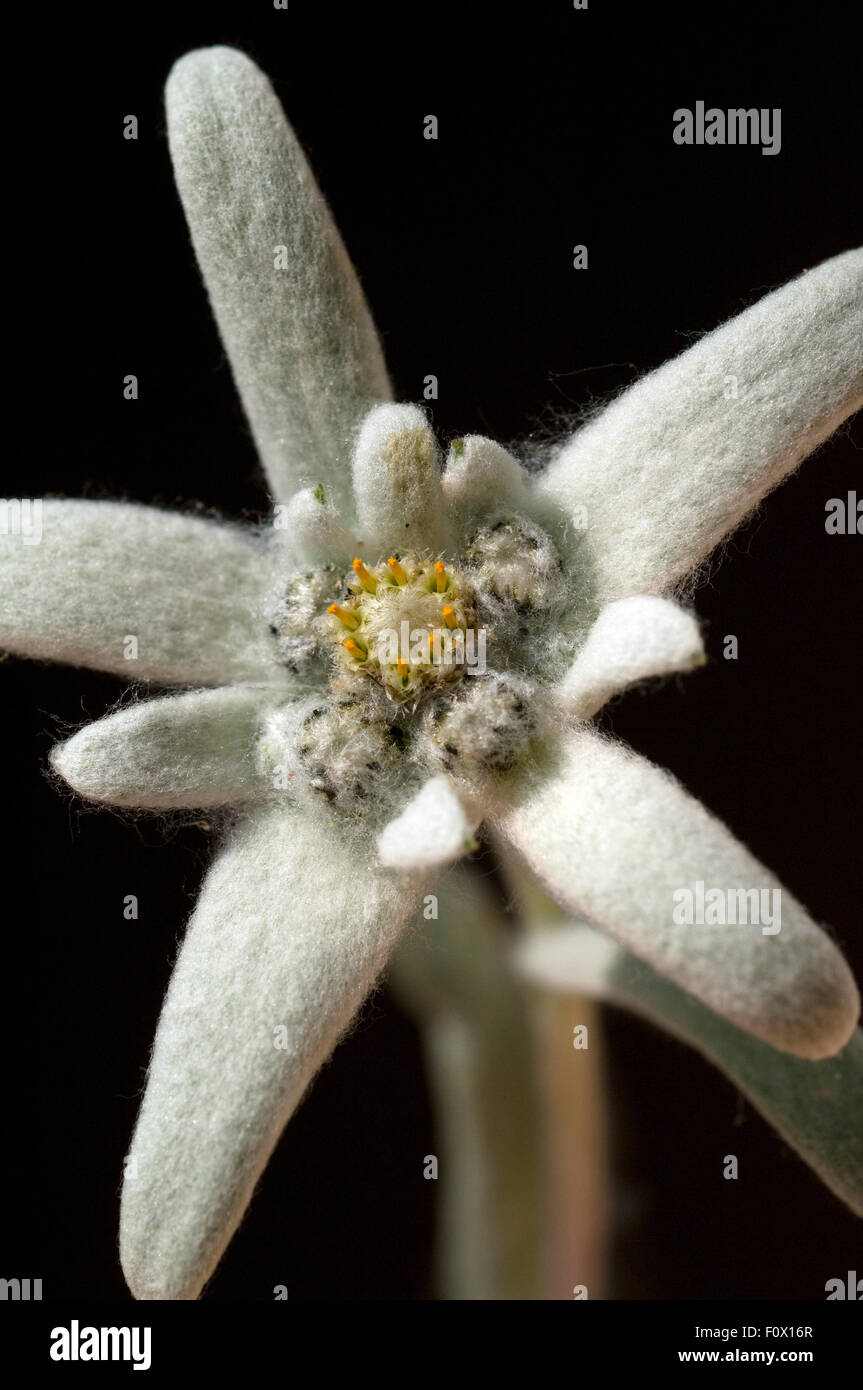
x,y
555,129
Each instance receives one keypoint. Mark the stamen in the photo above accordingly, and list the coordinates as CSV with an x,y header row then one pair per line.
x,y
349,619
449,616
367,580
358,652
402,668
396,570
440,576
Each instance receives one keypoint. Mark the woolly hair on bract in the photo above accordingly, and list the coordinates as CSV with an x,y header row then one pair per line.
x,y
624,467
303,348
663,838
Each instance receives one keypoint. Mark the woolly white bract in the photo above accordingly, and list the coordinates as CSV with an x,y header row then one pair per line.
x,y
338,751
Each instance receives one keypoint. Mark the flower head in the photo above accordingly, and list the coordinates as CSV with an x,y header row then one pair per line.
x,y
440,656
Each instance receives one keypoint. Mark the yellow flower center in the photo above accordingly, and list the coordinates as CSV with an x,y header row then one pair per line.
x,y
407,623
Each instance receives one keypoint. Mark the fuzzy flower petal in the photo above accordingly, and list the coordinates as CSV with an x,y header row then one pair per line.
x,y
195,749
302,344
312,532
631,640
398,494
190,592
815,1106
615,838
681,458
290,933
434,829
482,478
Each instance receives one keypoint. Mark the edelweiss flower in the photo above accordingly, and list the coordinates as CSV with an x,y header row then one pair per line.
x,y
408,651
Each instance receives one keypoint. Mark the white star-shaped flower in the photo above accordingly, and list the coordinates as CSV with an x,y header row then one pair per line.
x,y
414,647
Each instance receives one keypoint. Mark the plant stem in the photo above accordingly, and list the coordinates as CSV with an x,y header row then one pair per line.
x,y
571,1097
454,976
572,1108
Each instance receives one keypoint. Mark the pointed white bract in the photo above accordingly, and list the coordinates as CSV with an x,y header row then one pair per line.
x,y
674,465
301,342
190,594
196,749
631,640
291,931
399,503
434,829
815,1106
617,839
481,478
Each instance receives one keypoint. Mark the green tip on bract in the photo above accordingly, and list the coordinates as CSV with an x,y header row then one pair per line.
x,y
319,494
457,447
